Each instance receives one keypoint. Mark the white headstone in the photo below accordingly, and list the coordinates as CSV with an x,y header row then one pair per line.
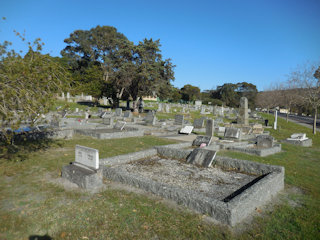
x,y
186,129
86,156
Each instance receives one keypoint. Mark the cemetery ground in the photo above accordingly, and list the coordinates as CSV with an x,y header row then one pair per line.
x,y
34,201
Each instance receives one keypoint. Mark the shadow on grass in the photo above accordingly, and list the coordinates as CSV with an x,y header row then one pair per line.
x,y
17,146
38,237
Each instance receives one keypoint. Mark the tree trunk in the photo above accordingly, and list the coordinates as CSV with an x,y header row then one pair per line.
x,y
287,118
315,121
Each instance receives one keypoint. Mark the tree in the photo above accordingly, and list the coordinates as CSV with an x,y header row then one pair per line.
x,y
190,93
249,91
104,47
28,85
127,70
152,73
307,78
227,93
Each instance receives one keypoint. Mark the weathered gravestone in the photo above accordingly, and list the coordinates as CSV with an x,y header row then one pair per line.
x,y
232,133
186,130
86,156
299,136
265,141
257,129
107,121
198,123
201,157
119,125
210,127
167,108
118,112
150,118
178,119
103,114
202,139
243,117
84,171
127,114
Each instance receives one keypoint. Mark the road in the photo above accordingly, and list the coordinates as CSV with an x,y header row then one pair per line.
x,y
303,120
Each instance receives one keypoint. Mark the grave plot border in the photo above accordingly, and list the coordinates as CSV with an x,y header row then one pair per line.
x,y
231,210
262,152
131,132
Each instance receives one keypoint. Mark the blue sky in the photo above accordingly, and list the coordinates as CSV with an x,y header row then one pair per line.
x,y
210,42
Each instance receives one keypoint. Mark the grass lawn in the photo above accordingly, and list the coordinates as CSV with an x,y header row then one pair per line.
x,y
32,204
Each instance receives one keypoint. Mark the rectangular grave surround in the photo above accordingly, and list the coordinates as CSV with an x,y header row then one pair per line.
x,y
228,191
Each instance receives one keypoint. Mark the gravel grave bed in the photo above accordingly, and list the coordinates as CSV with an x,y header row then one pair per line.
x,y
212,182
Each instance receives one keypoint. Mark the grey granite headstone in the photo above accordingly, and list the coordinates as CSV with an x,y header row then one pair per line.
x,y
265,141
198,123
232,133
202,139
127,114
107,121
178,119
210,127
119,125
118,112
102,114
201,157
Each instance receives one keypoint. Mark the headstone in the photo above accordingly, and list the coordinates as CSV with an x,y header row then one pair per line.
x,y
62,95
68,95
232,133
257,129
243,117
86,115
107,121
103,114
159,107
201,157
265,141
167,108
150,118
203,111
86,156
77,110
119,125
198,103
64,114
186,130
210,127
299,136
178,119
198,123
118,112
127,114
202,140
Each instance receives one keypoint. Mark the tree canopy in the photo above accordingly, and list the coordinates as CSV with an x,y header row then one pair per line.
x,y
126,70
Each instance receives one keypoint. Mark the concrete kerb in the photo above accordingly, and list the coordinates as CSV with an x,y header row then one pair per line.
x,y
262,152
231,210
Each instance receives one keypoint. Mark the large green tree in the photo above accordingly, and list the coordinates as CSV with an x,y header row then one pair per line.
x,y
127,70
190,93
